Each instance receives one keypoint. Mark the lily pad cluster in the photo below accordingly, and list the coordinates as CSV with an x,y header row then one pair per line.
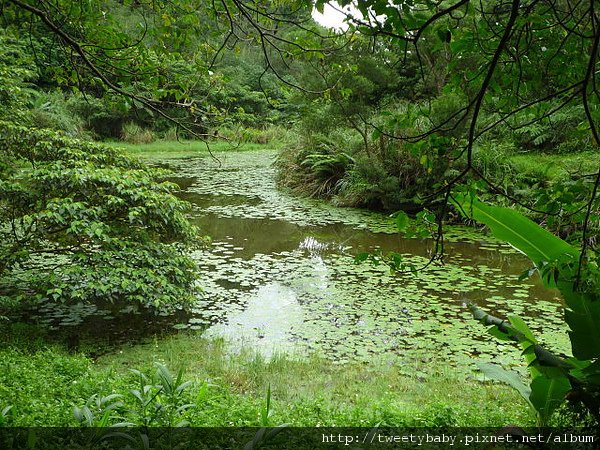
x,y
280,275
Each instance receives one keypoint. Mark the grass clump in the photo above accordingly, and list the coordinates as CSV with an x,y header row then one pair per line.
x,y
135,134
272,135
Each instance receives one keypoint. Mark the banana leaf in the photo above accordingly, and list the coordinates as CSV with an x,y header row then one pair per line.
x,y
511,226
541,246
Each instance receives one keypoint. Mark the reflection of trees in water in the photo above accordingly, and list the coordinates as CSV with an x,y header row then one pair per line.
x,y
262,235
272,236
98,328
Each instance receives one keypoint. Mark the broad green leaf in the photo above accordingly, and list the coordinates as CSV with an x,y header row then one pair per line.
x,y
361,257
547,394
511,226
498,373
494,331
591,372
519,325
583,317
320,6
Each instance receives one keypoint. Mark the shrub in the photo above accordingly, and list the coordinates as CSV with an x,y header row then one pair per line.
x,y
171,134
86,223
316,165
51,110
561,132
103,117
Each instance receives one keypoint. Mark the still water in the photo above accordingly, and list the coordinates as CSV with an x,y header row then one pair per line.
x,y
280,276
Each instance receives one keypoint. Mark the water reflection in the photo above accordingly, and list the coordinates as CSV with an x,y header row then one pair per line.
x,y
268,322
295,260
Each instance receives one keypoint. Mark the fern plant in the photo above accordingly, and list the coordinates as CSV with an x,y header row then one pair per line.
x,y
533,130
327,169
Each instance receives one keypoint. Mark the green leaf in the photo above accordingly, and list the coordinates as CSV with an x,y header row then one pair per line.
x,y
320,6
401,220
547,394
523,234
583,316
498,373
32,438
266,411
494,331
519,325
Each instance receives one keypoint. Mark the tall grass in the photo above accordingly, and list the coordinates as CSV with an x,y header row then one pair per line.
x,y
270,135
134,134
229,388
307,391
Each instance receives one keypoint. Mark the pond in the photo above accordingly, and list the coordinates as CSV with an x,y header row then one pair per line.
x,y
280,276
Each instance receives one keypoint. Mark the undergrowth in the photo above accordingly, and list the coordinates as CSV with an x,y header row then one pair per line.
x,y
48,386
391,175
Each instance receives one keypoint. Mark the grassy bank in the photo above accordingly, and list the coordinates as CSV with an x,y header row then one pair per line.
x,y
43,384
186,149
556,166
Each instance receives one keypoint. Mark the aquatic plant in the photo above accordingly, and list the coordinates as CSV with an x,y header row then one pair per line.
x,y
265,285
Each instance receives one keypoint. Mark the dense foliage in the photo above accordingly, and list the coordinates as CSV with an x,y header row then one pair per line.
x,y
464,101
80,221
552,377
410,102
102,82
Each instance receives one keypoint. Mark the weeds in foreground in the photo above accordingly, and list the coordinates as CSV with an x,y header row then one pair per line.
x,y
229,390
